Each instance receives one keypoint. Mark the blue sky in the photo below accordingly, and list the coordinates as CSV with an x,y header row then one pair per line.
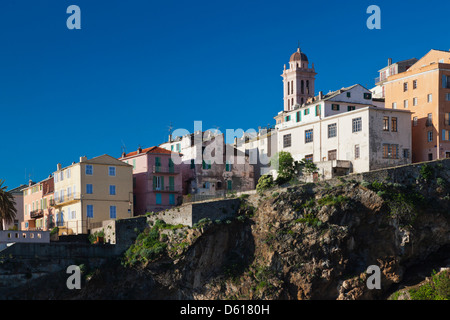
x,y
138,65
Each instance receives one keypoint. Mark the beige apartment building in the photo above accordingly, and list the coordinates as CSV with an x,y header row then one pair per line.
x,y
91,191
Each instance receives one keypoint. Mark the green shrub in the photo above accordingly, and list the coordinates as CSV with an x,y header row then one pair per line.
x,y
264,183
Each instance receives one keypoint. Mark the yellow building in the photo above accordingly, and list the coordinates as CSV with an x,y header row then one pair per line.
x,y
91,191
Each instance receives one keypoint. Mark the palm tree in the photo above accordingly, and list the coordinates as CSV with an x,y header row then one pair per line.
x,y
7,206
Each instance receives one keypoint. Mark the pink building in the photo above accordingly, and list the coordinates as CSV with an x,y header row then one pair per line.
x,y
157,181
38,213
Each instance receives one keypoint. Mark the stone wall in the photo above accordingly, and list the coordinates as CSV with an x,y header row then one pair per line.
x,y
191,213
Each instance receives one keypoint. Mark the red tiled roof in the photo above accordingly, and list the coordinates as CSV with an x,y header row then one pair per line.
x,y
154,149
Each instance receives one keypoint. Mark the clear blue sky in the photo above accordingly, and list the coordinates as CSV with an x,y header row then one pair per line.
x,y
138,65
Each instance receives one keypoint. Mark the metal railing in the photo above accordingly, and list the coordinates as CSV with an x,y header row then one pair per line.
x,y
37,213
161,169
66,198
167,189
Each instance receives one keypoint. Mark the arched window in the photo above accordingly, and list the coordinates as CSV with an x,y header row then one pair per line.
x,y
302,90
288,89
292,87
292,103
289,103
307,86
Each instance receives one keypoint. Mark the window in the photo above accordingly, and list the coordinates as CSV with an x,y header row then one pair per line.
x,y
134,164
287,140
445,82
429,120
390,151
306,112
414,101
309,157
447,119
447,97
357,152
308,135
158,198
335,107
228,166
332,154
112,171
318,110
61,176
356,124
332,130
394,105
171,199
72,214
367,96
287,118
68,173
394,124
206,164
430,97
299,116
405,104
112,190
430,156
430,136
192,164
112,212
89,170
385,123
229,185
69,192
171,183
405,86
90,211
415,121
406,153
351,108
158,183
349,94
414,84
89,188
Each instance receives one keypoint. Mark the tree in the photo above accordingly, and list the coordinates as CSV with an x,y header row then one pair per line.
x,y
7,206
284,163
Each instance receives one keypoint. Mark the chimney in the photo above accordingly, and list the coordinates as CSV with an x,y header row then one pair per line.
x,y
320,95
58,167
30,182
124,154
139,150
389,61
83,158
170,138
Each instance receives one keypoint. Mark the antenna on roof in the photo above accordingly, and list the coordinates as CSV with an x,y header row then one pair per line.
x,y
170,128
217,129
124,148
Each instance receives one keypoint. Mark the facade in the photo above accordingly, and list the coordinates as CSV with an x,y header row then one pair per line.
x,y
157,180
210,165
344,131
379,91
38,208
18,199
91,191
424,89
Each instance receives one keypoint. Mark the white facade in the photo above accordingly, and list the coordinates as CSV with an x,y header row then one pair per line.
x,y
353,141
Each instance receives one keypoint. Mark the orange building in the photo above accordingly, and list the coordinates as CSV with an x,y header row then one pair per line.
x,y
425,90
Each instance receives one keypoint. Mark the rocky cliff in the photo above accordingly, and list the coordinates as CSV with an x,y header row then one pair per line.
x,y
303,241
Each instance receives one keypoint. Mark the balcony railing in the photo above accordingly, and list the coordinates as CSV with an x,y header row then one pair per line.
x,y
36,213
161,169
66,198
167,189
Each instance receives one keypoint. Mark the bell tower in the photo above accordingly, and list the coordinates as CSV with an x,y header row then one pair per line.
x,y
298,80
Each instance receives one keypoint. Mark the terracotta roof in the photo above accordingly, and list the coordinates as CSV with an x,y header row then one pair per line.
x,y
154,149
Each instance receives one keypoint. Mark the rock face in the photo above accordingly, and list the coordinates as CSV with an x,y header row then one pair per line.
x,y
309,241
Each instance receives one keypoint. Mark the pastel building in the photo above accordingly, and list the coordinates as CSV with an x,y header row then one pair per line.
x,y
91,191
38,209
424,89
157,181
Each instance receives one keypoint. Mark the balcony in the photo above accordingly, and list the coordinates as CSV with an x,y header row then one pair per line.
x,y
169,170
66,199
36,214
170,189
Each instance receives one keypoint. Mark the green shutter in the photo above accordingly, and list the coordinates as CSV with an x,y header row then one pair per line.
x,y
299,116
229,185
171,183
192,164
